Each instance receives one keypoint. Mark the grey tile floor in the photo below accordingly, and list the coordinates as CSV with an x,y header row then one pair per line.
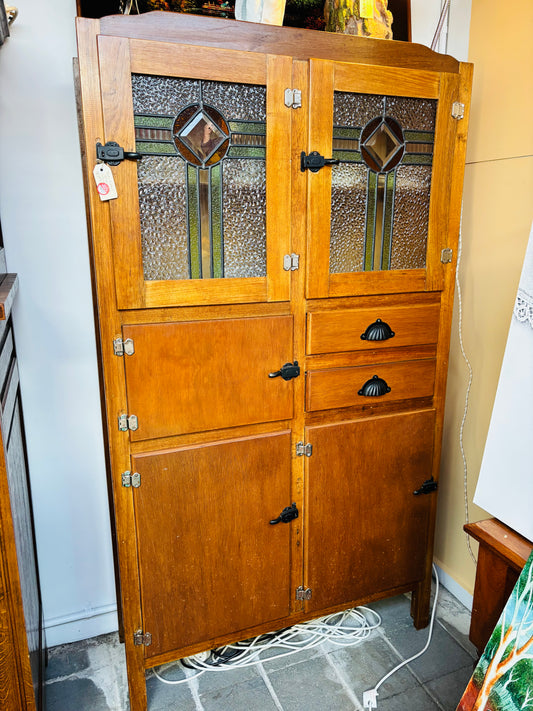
x,y
91,675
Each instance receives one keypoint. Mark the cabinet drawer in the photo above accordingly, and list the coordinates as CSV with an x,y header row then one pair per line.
x,y
345,387
338,331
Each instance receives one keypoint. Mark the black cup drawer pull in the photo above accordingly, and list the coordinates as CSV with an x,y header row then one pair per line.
x,y
378,331
375,387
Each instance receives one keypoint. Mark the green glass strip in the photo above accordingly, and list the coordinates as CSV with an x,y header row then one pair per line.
x,y
155,148
419,136
193,217
215,202
370,230
144,121
346,132
256,128
348,156
246,152
388,212
417,159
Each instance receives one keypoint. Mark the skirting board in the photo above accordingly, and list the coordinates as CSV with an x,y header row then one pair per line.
x,y
81,625
454,588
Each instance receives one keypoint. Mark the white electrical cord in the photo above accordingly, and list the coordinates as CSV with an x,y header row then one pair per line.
x,y
440,24
342,629
468,387
370,700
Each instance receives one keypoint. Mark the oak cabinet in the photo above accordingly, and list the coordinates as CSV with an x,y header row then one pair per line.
x,y
274,285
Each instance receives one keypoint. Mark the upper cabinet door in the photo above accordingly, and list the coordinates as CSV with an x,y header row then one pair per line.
x,y
203,216
378,218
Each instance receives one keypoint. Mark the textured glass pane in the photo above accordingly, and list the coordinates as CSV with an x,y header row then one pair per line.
x,y
355,109
348,201
246,102
244,209
163,208
413,114
411,216
163,95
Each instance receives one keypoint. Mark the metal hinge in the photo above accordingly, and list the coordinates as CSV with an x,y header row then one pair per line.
x,y
303,593
446,255
291,262
293,98
458,110
128,422
304,449
129,479
141,637
121,347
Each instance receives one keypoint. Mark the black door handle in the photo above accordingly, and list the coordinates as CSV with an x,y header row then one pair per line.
x,y
314,161
289,513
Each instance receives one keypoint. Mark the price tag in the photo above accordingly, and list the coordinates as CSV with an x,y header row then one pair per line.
x,y
366,8
105,183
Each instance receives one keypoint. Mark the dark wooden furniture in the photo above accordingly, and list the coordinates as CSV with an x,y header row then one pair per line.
x,y
340,279
502,555
21,630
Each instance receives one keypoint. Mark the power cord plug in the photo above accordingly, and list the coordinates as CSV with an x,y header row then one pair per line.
x,y
370,699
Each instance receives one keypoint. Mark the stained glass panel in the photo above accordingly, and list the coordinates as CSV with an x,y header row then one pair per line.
x,y
381,188
202,178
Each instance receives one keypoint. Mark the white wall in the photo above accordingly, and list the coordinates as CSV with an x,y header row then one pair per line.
x,y
43,220
42,212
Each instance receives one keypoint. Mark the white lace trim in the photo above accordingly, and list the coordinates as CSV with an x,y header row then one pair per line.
x,y
523,308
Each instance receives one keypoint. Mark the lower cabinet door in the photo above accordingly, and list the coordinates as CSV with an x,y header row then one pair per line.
x,y
211,563
366,532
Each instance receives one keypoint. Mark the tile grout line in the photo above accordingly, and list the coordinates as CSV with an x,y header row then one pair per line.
x,y
344,683
408,666
269,686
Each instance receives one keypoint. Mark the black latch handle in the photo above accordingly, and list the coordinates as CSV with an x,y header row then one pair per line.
x,y
289,513
287,371
113,154
314,161
427,487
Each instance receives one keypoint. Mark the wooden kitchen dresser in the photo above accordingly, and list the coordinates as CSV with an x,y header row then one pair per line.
x,y
274,286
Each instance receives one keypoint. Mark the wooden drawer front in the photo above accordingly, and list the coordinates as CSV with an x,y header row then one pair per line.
x,y
340,387
338,331
206,375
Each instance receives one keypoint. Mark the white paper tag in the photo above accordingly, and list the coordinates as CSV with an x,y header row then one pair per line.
x,y
366,8
105,183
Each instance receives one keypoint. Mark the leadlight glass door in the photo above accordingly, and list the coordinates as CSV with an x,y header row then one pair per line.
x,y
203,216
378,217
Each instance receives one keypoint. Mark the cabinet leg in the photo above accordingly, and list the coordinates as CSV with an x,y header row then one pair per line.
x,y
136,679
420,599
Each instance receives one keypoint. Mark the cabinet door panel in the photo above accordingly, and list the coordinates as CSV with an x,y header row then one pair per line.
x,y
366,531
202,217
378,219
205,375
210,561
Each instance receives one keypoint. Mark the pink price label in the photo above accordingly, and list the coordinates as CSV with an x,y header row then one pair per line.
x,y
103,188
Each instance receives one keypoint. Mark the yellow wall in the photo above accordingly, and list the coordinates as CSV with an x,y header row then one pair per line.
x,y
497,214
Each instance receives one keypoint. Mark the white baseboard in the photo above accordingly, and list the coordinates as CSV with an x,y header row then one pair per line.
x,y
454,588
81,625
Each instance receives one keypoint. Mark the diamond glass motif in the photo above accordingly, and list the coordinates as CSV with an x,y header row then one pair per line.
x,y
201,136
382,144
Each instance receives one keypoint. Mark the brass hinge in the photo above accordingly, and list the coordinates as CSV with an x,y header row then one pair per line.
x,y
128,422
129,479
303,593
293,98
458,110
291,262
446,255
121,347
304,449
141,637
